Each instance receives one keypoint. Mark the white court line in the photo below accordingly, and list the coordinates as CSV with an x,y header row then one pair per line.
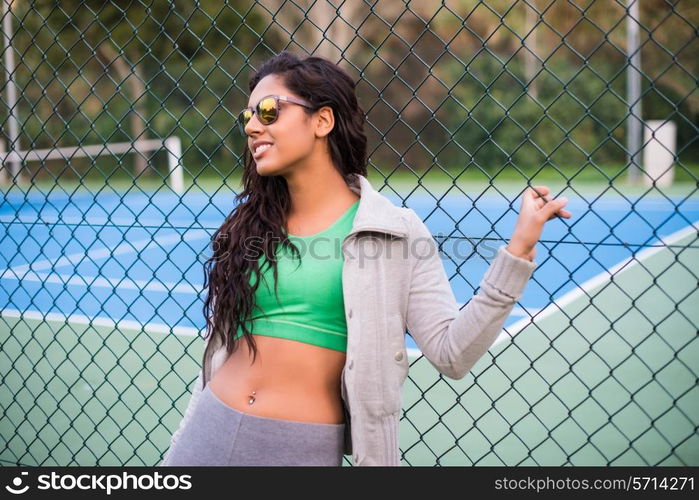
x,y
589,285
412,352
104,252
137,223
102,282
100,321
37,219
596,281
525,311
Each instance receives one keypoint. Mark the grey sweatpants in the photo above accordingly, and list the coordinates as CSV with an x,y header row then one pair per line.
x,y
220,435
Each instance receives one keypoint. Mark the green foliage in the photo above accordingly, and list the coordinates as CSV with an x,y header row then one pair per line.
x,y
194,60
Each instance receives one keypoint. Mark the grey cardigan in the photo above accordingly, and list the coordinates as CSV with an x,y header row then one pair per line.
x,y
393,278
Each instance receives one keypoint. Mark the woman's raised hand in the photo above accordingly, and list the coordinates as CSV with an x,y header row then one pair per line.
x,y
537,208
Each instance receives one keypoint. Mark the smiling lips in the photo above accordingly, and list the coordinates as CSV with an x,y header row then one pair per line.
x,y
260,150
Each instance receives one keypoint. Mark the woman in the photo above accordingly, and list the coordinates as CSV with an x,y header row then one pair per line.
x,y
319,275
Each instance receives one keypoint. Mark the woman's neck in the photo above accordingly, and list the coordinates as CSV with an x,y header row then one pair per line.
x,y
320,193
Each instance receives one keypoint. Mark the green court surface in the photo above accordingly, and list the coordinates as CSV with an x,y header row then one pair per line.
x,y
84,395
606,378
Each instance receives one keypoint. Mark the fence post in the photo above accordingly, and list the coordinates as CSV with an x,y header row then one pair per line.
x,y
633,90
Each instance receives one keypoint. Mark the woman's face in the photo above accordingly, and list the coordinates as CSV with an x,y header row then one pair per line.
x,y
290,136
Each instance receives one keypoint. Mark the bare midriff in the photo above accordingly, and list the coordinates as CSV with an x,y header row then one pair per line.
x,y
289,380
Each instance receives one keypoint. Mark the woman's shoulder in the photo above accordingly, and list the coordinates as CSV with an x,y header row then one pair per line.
x,y
416,226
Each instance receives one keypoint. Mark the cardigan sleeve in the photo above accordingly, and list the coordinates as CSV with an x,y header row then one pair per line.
x,y
453,339
187,415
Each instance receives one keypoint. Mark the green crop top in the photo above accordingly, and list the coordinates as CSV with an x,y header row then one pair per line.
x,y
311,306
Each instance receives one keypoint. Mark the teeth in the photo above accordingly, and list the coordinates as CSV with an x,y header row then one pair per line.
x,y
262,147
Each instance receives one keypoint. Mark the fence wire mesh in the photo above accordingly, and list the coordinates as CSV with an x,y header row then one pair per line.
x,y
121,157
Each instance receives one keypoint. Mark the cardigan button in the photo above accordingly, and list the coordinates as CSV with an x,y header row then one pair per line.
x,y
350,313
351,364
398,356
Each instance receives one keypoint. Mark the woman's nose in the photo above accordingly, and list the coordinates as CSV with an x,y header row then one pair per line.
x,y
253,124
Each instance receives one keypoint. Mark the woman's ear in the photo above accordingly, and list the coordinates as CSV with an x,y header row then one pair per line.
x,y
324,121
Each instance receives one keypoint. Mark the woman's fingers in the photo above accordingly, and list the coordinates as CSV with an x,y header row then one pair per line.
x,y
540,192
565,213
554,208
561,213
540,198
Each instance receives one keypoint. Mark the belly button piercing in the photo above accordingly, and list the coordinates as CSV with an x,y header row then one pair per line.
x,y
252,398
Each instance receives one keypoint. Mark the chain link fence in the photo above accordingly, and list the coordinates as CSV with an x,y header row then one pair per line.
x,y
121,158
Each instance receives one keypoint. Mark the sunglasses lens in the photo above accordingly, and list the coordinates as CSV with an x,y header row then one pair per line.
x,y
244,118
267,110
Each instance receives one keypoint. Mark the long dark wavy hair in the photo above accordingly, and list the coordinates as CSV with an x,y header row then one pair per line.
x,y
263,204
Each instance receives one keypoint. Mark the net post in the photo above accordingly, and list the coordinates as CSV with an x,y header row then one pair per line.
x,y
173,145
4,178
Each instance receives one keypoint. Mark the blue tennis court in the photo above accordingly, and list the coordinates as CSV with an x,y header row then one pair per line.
x,y
100,297
138,258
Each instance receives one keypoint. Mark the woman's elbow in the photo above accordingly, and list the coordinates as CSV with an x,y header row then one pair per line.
x,y
454,371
